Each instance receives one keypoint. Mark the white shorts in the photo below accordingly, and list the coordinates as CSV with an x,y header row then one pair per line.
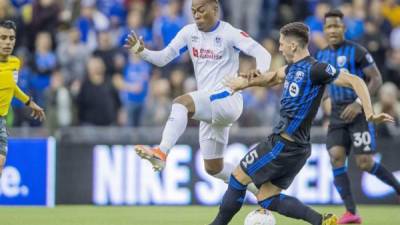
x,y
216,111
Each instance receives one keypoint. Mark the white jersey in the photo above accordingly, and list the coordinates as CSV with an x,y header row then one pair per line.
x,y
215,54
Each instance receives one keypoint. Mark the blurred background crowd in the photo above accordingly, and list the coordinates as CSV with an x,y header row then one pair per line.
x,y
75,66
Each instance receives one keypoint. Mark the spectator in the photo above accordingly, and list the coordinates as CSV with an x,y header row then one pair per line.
x,y
90,22
354,25
375,15
159,104
134,86
97,102
73,55
168,25
376,43
388,103
107,51
176,80
43,63
391,11
393,67
316,24
45,18
59,103
246,15
134,23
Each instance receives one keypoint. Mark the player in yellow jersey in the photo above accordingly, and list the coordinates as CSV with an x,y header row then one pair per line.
x,y
9,66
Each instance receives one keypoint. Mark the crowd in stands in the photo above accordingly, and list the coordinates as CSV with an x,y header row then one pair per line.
x,y
75,66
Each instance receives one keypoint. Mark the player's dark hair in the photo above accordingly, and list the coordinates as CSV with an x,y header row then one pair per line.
x,y
298,30
334,13
8,24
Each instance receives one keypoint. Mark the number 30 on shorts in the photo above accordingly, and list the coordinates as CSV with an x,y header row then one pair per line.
x,y
361,138
250,158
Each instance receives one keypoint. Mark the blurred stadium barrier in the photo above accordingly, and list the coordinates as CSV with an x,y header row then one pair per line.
x,y
99,166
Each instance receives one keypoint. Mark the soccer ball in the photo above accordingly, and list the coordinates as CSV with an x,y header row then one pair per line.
x,y
260,217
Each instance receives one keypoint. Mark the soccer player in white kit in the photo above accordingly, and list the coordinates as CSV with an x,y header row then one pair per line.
x,y
214,48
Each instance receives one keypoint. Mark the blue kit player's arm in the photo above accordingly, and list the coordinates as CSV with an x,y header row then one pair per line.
x,y
324,73
361,89
365,61
252,79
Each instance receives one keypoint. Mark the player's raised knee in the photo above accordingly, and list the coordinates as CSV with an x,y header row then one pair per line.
x,y
186,101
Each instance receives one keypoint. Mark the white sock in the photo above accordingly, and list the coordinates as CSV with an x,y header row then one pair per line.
x,y
225,174
174,127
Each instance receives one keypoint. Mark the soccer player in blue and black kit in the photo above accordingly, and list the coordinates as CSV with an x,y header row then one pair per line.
x,y
348,128
273,164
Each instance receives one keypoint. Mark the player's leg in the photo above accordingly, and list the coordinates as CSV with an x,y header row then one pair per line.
x,y
338,141
213,141
364,144
225,110
183,108
366,163
287,160
3,143
2,163
233,198
270,198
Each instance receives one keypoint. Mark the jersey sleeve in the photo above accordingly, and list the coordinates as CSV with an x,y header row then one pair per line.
x,y
242,41
177,46
323,73
19,94
363,57
179,43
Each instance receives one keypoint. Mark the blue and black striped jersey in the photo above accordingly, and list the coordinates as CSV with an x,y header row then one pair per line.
x,y
350,57
304,86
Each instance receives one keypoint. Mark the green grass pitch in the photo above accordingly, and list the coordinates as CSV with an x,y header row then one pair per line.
x,y
168,215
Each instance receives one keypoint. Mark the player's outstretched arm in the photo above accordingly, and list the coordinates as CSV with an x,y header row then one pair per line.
x,y
37,111
158,58
255,78
358,85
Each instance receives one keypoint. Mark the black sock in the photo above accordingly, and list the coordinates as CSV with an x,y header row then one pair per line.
x,y
384,175
342,183
291,207
231,202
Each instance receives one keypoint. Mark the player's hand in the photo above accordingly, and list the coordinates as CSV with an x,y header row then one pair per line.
x,y
236,84
250,75
134,43
351,111
37,111
380,118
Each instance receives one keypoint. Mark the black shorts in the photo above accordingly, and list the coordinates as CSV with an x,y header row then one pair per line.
x,y
358,135
276,160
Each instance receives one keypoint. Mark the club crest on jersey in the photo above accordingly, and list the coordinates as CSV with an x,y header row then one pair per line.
x,y
299,76
294,89
341,60
330,70
218,41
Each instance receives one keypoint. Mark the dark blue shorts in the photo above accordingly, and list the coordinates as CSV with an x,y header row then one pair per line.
x,y
275,160
358,135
